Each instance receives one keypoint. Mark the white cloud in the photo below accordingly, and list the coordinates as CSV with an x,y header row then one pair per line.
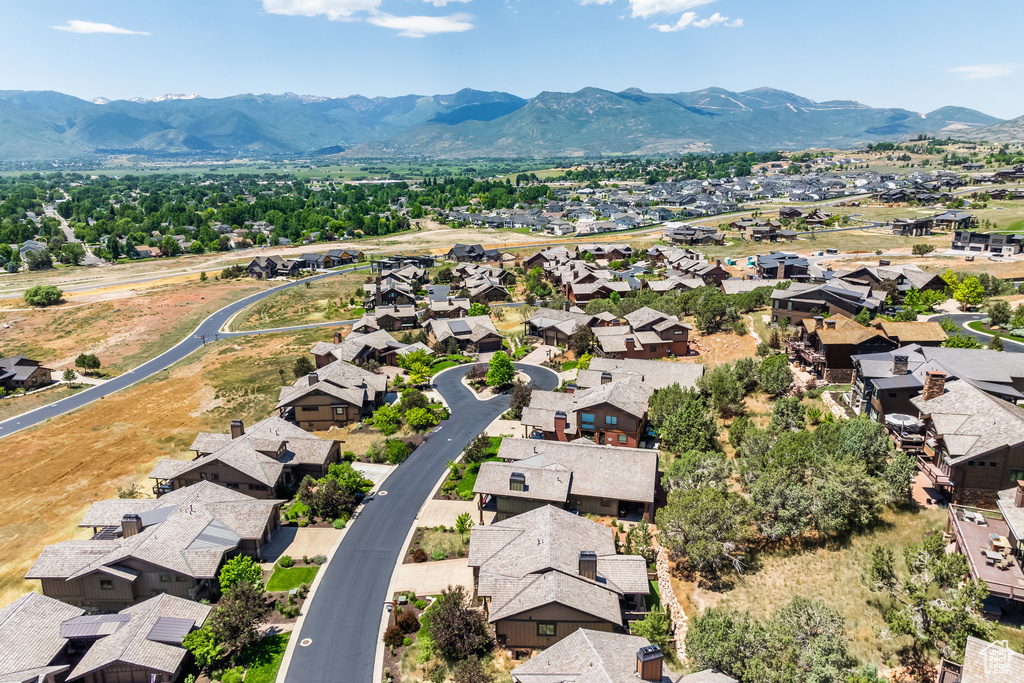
x,y
442,3
984,71
647,8
78,26
596,2
335,10
690,19
422,26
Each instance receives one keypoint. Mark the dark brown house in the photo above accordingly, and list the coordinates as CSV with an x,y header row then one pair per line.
x,y
547,573
974,442
648,334
826,347
19,372
336,395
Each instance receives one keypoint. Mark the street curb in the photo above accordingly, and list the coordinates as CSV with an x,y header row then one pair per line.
x,y
297,628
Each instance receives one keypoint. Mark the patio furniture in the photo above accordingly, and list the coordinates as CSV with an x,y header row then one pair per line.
x,y
968,516
992,556
1001,543
1005,563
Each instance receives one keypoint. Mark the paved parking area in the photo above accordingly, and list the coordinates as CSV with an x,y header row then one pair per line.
x,y
430,578
374,473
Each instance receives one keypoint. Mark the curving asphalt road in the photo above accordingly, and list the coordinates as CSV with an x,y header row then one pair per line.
x,y
962,319
344,617
209,327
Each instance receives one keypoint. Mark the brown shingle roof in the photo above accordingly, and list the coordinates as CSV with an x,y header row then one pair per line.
x,y
30,635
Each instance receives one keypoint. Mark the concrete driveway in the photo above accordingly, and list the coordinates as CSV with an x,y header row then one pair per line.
x,y
430,578
299,542
445,512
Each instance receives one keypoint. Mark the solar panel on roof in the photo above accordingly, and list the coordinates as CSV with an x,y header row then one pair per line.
x,y
459,327
93,626
170,630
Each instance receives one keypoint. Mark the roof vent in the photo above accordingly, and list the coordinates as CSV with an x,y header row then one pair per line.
x,y
517,482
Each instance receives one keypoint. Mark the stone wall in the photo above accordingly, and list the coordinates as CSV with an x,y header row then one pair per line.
x,y
670,604
835,408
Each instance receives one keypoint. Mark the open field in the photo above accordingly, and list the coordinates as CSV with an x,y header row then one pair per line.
x,y
123,326
320,301
53,472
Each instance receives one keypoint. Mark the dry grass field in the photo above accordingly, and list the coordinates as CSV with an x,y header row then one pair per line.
x,y
324,300
124,326
53,472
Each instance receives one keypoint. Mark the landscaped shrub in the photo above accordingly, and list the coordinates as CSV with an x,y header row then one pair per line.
x,y
394,637
438,555
287,610
397,451
233,675
407,621
339,523
419,555
349,455
286,561
420,604
318,559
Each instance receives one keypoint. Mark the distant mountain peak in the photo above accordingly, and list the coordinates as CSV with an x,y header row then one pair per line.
x,y
161,98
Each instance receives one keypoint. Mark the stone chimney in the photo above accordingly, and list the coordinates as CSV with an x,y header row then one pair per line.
x,y
630,344
337,337
934,384
571,388
606,376
517,481
1018,497
588,564
237,428
900,365
131,525
819,322
560,422
830,324
648,663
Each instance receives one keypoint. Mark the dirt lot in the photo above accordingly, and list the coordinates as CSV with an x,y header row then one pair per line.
x,y
124,326
53,472
331,299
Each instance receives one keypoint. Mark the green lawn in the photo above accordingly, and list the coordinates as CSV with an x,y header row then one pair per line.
x,y
654,597
285,579
978,327
265,659
443,365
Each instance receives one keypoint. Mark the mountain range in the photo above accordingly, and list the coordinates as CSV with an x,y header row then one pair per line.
x,y
466,124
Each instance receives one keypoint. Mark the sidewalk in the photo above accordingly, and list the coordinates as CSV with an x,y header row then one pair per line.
x,y
540,355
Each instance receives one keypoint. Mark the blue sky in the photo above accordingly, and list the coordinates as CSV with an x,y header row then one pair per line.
x,y
916,54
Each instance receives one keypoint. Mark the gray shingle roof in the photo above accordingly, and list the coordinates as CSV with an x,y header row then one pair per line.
x,y
517,555
596,471
990,663
30,636
972,422
133,643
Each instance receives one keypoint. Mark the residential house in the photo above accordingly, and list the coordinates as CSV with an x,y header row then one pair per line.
x,y
555,326
780,265
608,252
884,383
984,662
336,395
651,374
826,347
31,245
472,252
913,227
486,288
693,235
448,307
580,476
390,318
803,300
144,547
954,220
548,573
472,332
20,372
142,251
739,285
647,334
388,291
139,644
588,656
923,333
358,348
675,282
995,243
905,276
32,649
266,267
551,255
974,441
588,288
343,257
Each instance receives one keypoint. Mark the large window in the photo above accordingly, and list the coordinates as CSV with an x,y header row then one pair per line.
x,y
587,420
106,584
611,420
545,628
622,438
1016,475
